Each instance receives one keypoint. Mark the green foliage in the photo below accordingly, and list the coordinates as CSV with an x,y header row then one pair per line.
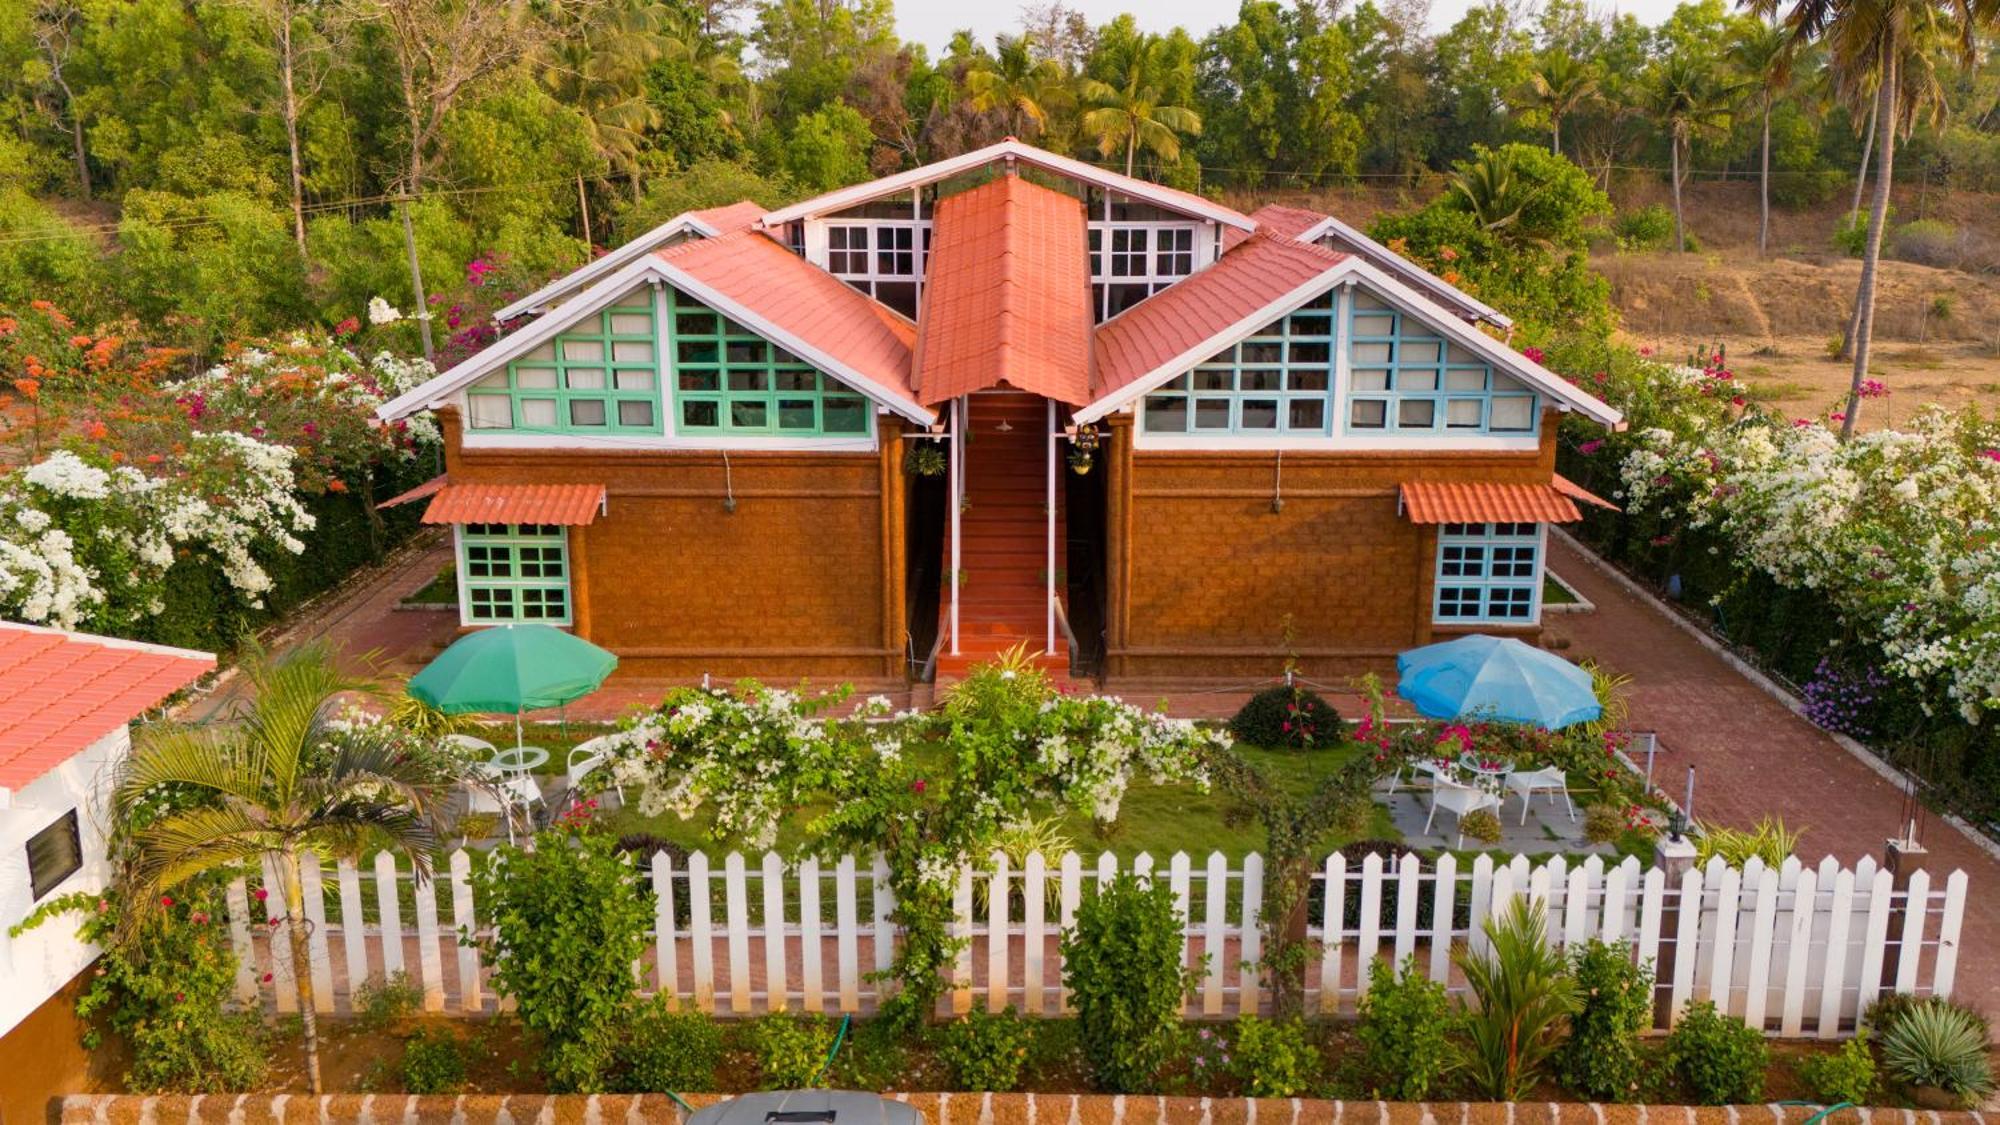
x,y
1523,998
1717,1059
1603,823
1287,716
1482,826
1939,1045
382,1003
434,1062
1274,1058
791,1051
1847,1075
1851,236
569,918
1122,963
665,1050
1770,842
828,148
1649,228
1927,242
1404,1023
703,184
1601,1058
985,1050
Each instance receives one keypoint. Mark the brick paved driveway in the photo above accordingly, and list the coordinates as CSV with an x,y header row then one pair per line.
x,y
1754,757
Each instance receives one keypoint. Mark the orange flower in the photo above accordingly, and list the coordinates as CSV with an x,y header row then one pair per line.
x,y
79,341
98,431
8,325
336,485
1447,253
117,455
29,388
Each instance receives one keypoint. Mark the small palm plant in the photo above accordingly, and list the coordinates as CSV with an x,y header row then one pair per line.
x,y
1525,998
279,781
1941,1046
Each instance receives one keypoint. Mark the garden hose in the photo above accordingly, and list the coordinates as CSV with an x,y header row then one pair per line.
x,y
838,1038
1826,1112
680,1101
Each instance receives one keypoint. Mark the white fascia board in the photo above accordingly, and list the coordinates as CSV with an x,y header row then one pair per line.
x,y
1026,154
1445,289
684,223
1385,285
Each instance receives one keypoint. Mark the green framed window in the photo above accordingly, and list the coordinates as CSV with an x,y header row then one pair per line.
x,y
1276,381
513,572
729,380
1488,573
1404,378
601,376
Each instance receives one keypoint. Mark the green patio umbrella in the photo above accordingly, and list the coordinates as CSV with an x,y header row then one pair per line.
x,y
512,669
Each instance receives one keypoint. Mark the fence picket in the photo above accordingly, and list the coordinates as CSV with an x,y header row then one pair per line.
x,y
1371,921
237,896
1069,895
284,985
1763,924
1722,969
812,983
463,920
1804,893
1687,947
736,909
883,904
775,976
1214,927
1034,932
1408,871
666,952
430,959
1875,937
1611,926
1833,982
1179,879
353,930
1250,982
1442,903
389,909
1332,910
701,932
1944,973
847,933
1652,905
997,891
961,965
312,885
1481,904
1916,909
1576,905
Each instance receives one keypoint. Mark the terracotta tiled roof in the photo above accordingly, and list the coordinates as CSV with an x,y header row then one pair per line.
x,y
1191,313
60,692
1576,491
427,489
1273,218
811,304
740,215
1485,502
561,504
1007,299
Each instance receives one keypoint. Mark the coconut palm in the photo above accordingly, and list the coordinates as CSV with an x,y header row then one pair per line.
x,y
1692,99
274,785
1763,52
1490,189
1560,84
1869,48
1015,85
599,69
1129,115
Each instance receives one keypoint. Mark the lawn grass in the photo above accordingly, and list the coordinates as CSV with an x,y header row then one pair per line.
x,y
442,590
1555,593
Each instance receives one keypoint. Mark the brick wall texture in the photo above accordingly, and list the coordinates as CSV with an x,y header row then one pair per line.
x,y
938,1109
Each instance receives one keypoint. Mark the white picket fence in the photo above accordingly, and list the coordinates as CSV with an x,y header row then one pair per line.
x,y
1795,951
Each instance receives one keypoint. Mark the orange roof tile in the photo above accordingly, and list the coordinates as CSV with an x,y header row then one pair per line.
x,y
1007,298
60,692
1204,307
1273,218
740,215
426,489
811,304
560,504
1576,491
1485,502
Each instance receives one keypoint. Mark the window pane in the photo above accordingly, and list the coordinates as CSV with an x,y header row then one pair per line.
x,y
699,381
1513,413
695,324
1465,379
1318,353
536,378
1211,414
748,381
632,324
1209,380
697,351
749,415
795,414
748,351
538,412
632,351
1374,326
1371,380
54,854
633,379
491,412
1368,414
795,380
1166,414
1416,379
1306,379
1265,380
587,351
631,413
1416,414
1260,414
1419,351
700,415
586,412
1463,413
584,378
844,414
1263,352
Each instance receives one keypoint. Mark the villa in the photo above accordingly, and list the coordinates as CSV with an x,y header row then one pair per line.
x,y
1006,398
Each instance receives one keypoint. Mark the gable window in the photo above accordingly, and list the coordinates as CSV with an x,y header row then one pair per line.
x,y
881,259
1488,573
54,854
514,572
1276,381
1404,378
599,376
1130,261
729,380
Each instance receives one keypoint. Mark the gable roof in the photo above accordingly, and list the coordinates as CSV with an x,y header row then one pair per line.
x,y
62,691
1012,150
1307,225
1008,295
751,280
709,222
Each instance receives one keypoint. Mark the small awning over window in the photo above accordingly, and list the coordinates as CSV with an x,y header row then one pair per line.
x,y
1485,502
423,491
561,504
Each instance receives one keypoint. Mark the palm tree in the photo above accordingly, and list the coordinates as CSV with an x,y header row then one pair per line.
x,y
1490,189
1015,85
275,786
599,70
1868,44
1129,115
1763,52
1691,99
1559,85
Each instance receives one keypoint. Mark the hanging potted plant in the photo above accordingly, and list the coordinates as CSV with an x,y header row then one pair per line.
x,y
924,459
1083,450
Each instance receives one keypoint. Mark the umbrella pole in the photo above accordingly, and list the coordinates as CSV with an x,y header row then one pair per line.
x,y
517,730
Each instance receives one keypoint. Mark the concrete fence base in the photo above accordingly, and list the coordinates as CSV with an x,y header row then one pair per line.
x,y
940,1109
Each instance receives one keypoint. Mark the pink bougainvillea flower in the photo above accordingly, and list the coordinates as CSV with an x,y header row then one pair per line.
x,y
1535,355
262,894
917,786
166,900
1591,446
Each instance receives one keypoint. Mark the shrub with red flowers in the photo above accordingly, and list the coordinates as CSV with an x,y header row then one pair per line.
x,y
1287,716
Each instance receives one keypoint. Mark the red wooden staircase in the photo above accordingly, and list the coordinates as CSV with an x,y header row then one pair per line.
x,y
1003,589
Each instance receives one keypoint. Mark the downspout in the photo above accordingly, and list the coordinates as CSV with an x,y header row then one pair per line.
x,y
1049,646
957,503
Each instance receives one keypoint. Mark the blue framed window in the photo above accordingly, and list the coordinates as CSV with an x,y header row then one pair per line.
x,y
1404,378
513,572
1275,382
1488,573
600,376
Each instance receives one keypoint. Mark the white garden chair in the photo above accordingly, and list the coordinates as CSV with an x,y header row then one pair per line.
x,y
587,758
1530,782
1461,800
489,790
1421,768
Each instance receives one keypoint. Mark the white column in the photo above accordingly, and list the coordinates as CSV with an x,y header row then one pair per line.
x,y
1050,608
957,502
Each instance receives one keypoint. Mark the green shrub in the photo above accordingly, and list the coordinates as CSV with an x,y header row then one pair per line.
x,y
1603,824
876,1056
1601,1058
1770,841
1481,826
383,1002
433,1062
1274,1058
1851,236
1525,996
1122,964
1847,1075
1286,716
1404,1021
1717,1059
985,1050
1649,228
1940,1045
791,1051
1928,242
668,1050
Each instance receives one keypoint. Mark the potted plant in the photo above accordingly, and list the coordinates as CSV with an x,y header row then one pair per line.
x,y
1083,450
924,459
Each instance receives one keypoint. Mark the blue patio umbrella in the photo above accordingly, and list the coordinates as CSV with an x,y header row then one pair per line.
x,y
1496,678
511,669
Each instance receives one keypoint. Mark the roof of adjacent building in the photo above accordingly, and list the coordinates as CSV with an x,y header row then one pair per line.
x,y
1274,218
1577,492
563,505
709,222
1485,502
1307,225
740,215
1177,325
1007,298
61,691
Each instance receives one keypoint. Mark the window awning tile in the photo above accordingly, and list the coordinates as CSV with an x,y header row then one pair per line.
x,y
1486,502
423,491
559,504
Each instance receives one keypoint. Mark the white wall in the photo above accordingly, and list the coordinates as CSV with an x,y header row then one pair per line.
x,y
36,964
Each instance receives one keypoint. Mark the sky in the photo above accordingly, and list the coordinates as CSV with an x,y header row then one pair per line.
x,y
931,22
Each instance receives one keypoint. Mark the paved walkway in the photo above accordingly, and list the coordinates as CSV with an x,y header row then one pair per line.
x,y
1754,757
